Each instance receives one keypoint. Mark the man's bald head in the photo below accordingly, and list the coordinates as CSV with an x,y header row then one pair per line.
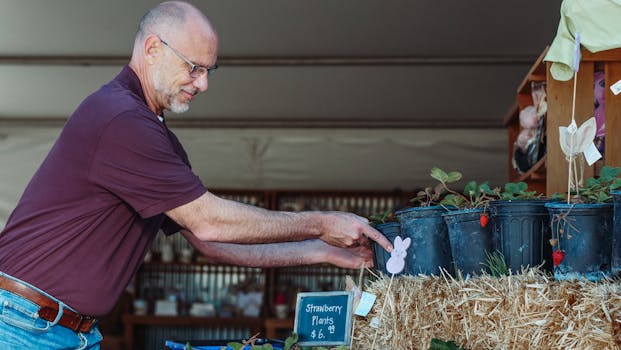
x,y
173,39
170,19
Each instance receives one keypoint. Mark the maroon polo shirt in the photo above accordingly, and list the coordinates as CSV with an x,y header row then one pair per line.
x,y
92,209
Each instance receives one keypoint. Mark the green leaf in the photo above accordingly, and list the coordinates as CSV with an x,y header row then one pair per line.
x,y
439,174
188,346
235,345
485,189
453,176
557,196
516,187
609,173
437,344
470,189
290,341
454,201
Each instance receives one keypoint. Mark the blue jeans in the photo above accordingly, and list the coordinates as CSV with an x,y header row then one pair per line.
x,y
21,327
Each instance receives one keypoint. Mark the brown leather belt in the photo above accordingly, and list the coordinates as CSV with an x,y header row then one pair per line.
x,y
49,307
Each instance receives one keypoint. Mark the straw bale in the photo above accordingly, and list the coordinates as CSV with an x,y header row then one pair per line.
x,y
529,310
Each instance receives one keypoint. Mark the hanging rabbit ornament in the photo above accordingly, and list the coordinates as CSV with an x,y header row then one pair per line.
x,y
577,145
394,265
396,262
577,142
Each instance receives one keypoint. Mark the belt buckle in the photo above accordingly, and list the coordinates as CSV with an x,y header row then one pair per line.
x,y
83,323
86,323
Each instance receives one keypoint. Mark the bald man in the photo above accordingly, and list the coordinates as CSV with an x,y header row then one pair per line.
x,y
117,175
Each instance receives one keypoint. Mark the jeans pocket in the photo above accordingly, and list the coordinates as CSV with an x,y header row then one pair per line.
x,y
23,314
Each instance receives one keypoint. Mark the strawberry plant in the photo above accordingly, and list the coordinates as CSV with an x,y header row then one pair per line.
x,y
518,190
474,195
433,195
290,344
382,218
597,190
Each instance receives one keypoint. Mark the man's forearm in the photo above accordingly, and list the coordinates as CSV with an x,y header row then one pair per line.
x,y
216,219
259,255
306,252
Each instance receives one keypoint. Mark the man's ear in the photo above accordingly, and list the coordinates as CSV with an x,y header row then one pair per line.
x,y
151,48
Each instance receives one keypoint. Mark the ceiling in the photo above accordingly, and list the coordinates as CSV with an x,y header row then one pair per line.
x,y
363,94
350,63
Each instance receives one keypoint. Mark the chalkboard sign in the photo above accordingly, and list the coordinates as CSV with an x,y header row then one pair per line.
x,y
323,318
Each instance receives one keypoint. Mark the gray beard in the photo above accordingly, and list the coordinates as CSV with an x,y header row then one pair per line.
x,y
160,86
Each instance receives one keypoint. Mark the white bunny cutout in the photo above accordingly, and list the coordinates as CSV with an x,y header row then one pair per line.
x,y
575,143
396,262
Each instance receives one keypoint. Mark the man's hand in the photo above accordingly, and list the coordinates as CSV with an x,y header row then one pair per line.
x,y
347,230
348,258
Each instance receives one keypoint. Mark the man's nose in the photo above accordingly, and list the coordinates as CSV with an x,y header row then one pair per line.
x,y
202,83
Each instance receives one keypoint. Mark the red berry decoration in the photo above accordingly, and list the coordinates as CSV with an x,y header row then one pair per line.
x,y
557,257
483,220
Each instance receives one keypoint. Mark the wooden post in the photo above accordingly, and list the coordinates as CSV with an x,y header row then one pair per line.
x,y
612,153
560,102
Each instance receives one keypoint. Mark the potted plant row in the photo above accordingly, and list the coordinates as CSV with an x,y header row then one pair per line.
x,y
451,230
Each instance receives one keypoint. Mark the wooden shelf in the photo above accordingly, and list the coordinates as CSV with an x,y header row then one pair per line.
x,y
273,325
536,172
551,172
536,73
560,104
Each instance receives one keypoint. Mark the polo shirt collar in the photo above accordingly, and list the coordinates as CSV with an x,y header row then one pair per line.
x,y
128,77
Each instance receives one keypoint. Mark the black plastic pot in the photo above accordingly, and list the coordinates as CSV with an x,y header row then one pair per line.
x,y
585,235
470,243
615,261
430,249
521,232
380,255
219,344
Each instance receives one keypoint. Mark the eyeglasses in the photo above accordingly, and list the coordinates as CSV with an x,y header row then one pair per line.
x,y
196,71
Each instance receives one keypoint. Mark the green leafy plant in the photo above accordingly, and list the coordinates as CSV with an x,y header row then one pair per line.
x,y
290,344
496,263
518,190
382,218
433,195
474,195
597,189
437,344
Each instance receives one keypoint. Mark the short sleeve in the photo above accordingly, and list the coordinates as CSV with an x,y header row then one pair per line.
x,y
138,160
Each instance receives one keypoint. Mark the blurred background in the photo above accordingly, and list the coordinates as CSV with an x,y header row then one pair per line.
x,y
355,95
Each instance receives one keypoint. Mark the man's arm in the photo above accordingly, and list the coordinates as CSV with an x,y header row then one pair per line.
x,y
306,252
216,219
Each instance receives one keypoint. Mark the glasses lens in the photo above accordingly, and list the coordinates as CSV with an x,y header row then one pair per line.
x,y
198,71
212,70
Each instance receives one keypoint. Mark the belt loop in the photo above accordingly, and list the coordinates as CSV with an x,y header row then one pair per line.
x,y
61,311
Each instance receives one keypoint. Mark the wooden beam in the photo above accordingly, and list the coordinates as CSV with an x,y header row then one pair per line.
x,y
259,123
282,61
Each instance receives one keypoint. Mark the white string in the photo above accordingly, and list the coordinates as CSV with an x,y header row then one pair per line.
x,y
571,141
